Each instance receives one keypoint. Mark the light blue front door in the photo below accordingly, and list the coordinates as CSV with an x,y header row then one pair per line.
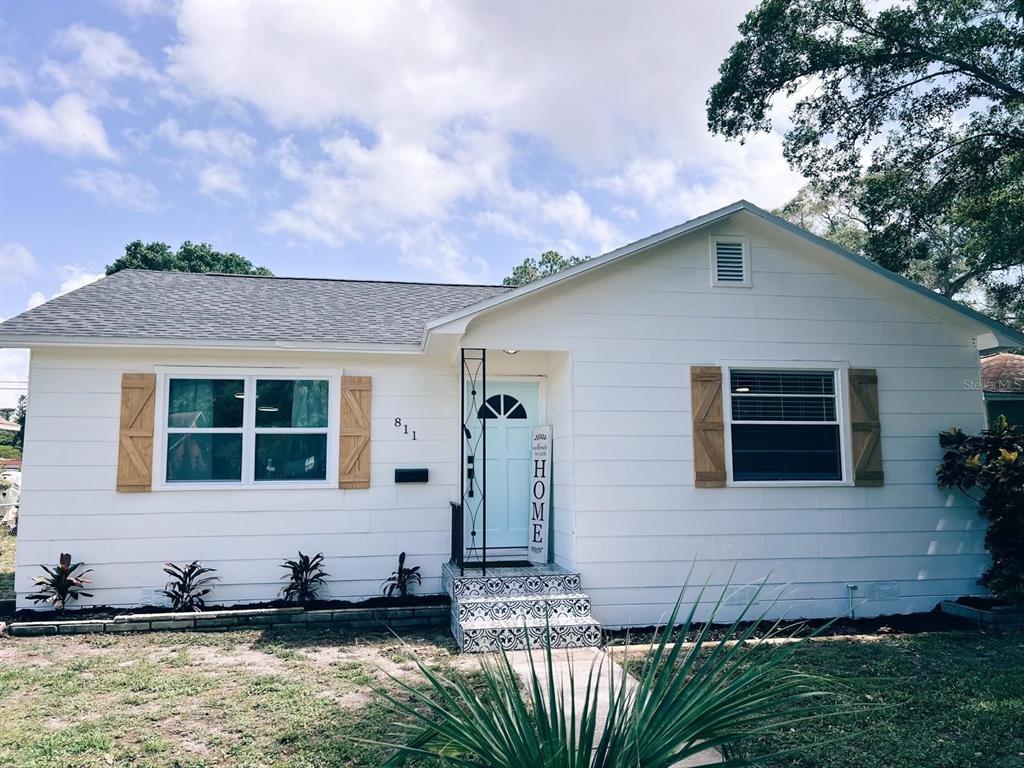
x,y
509,412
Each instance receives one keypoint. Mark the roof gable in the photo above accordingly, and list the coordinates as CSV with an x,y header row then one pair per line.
x,y
1002,334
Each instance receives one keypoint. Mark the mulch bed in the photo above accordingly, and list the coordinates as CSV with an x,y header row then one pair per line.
x,y
899,624
101,612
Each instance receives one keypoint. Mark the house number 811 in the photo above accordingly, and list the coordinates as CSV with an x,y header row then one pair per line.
x,y
405,428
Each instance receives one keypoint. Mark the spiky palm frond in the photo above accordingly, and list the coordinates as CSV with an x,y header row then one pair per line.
x,y
690,695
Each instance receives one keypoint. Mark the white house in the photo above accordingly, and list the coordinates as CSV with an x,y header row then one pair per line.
x,y
733,395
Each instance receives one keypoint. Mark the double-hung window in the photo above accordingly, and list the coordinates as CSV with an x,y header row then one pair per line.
x,y
246,429
785,425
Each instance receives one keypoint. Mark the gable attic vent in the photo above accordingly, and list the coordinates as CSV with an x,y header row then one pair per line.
x,y
730,265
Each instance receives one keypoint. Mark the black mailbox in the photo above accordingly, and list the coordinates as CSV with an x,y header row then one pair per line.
x,y
411,475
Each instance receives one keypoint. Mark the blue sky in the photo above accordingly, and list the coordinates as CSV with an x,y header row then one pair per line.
x,y
417,141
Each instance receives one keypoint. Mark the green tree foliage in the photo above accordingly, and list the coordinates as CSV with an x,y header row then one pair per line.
x,y
828,215
190,257
992,464
20,417
914,113
549,263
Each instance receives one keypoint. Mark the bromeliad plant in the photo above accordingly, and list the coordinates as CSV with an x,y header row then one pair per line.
x,y
305,577
688,697
400,580
989,468
61,583
189,585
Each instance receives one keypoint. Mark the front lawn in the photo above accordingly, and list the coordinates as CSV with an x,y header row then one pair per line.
x,y
187,700
958,703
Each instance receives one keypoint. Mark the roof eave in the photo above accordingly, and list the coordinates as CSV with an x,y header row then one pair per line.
x,y
29,341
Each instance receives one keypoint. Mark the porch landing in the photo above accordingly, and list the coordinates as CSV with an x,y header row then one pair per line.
x,y
513,608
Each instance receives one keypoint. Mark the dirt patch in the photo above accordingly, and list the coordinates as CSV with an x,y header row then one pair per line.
x,y
254,662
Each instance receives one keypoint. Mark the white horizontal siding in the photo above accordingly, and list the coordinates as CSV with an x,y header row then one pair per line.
x,y
634,329
69,502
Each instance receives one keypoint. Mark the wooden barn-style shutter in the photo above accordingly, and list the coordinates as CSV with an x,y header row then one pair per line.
x,y
708,426
354,456
135,438
867,430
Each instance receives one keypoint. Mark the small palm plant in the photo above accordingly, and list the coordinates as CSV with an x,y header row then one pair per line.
x,y
400,580
189,585
305,577
61,583
688,698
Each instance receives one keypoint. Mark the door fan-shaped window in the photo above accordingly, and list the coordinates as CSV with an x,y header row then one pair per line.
x,y
497,406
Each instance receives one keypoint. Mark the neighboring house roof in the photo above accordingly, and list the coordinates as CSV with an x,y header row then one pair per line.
x,y
143,306
1003,374
1004,335
9,426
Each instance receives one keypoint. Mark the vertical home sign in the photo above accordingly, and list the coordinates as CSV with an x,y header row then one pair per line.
x,y
540,494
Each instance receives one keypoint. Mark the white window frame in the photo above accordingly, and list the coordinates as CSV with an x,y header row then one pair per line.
x,y
744,242
248,429
840,373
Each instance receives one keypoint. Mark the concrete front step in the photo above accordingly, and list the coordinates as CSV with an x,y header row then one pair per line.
x,y
565,605
481,635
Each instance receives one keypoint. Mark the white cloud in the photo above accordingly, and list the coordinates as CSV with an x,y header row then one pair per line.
x,y
685,188
16,263
218,180
98,56
576,218
74,277
600,82
13,375
438,253
442,101
353,187
217,142
123,190
68,126
12,76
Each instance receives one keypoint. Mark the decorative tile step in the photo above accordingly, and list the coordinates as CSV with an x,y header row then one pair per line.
x,y
502,608
535,580
478,636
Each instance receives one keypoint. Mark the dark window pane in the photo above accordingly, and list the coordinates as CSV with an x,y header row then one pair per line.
x,y
291,403
786,452
291,457
783,382
205,403
207,457
758,408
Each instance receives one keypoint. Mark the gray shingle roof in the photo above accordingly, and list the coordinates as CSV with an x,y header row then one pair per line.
x,y
136,304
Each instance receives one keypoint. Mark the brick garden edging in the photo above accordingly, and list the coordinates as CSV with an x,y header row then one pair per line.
x,y
399,617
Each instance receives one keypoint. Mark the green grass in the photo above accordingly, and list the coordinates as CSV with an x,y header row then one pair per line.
x,y
950,700
7,542
189,700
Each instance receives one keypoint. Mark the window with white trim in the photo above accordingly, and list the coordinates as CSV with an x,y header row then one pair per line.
x,y
785,425
246,429
730,262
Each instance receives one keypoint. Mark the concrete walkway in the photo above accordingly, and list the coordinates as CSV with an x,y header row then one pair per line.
x,y
580,660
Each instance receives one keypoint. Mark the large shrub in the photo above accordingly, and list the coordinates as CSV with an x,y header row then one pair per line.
x,y
989,468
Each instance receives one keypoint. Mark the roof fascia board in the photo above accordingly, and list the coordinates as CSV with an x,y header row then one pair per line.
x,y
29,341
